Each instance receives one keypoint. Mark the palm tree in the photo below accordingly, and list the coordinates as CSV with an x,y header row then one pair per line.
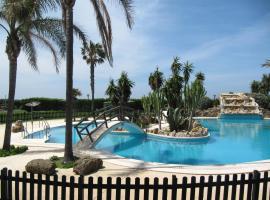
x,y
187,70
176,66
265,84
93,54
200,77
105,29
124,85
255,86
113,92
156,80
24,25
266,64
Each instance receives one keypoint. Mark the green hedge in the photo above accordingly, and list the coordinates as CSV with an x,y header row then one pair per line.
x,y
26,116
80,105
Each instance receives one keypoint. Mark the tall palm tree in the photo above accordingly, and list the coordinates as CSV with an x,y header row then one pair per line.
x,y
93,54
105,29
187,71
266,64
156,80
24,25
176,66
200,77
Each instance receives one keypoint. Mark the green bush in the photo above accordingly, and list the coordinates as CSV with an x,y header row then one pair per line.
x,y
13,151
206,103
262,99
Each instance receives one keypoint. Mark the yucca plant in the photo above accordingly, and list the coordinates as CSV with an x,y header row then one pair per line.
x,y
147,107
177,119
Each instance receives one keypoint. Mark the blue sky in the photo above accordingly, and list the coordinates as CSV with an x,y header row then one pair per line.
x,y
226,40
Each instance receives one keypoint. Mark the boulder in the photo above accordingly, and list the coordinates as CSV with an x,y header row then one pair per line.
x,y
40,166
87,165
18,127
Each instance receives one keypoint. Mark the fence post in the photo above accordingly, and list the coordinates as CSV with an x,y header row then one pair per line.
x,y
256,185
4,188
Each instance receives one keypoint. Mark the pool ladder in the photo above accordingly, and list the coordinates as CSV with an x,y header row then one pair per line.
x,y
46,128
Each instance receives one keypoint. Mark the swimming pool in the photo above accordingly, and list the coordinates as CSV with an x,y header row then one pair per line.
x,y
57,135
231,141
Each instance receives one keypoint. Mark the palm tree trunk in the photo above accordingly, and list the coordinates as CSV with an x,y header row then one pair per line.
x,y
68,155
11,97
92,87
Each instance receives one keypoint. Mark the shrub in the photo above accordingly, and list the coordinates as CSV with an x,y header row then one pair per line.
x,y
13,151
262,99
87,165
206,103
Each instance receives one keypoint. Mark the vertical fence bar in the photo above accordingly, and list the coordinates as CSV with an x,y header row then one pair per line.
x,y
226,187
9,184
39,189
192,188
24,186
4,194
209,189
256,185
155,190
127,193
250,180
242,187
90,188
99,188
71,188
55,187
118,188
234,186
109,188
165,188
184,188
201,188
265,177
174,188
47,188
63,188
32,187
137,188
146,188
80,188
17,175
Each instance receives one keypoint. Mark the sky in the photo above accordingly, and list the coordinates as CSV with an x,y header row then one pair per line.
x,y
226,40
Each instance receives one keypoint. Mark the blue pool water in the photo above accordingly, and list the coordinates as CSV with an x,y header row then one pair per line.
x,y
58,135
231,141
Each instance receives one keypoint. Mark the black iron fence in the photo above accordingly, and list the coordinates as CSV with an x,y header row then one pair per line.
x,y
31,186
26,116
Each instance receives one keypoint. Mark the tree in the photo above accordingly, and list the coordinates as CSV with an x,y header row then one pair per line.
x,y
255,86
156,80
93,54
124,86
200,77
187,71
266,64
120,94
113,92
173,86
76,93
265,84
25,25
105,30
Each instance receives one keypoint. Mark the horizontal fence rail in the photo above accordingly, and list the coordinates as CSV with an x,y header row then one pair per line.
x,y
24,186
26,116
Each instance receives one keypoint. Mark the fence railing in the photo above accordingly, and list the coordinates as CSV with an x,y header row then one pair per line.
x,y
26,116
252,186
